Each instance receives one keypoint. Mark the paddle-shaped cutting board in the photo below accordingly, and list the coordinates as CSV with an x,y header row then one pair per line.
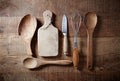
x,y
47,37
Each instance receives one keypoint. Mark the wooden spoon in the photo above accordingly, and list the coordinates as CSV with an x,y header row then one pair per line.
x,y
32,63
91,21
27,29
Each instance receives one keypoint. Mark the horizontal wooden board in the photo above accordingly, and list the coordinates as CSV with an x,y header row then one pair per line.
x,y
108,17
7,73
105,28
13,44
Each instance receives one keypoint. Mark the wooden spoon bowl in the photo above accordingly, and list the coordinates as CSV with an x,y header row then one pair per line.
x,y
26,30
91,21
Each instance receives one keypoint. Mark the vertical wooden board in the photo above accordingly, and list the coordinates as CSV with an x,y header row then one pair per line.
x,y
16,46
9,25
3,46
12,45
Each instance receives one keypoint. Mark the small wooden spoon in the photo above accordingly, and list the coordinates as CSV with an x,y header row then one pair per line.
x,y
27,29
91,21
32,63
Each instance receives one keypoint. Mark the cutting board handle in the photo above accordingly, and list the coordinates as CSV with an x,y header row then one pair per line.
x,y
47,15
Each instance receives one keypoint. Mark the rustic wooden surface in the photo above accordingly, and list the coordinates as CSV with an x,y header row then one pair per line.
x,y
106,40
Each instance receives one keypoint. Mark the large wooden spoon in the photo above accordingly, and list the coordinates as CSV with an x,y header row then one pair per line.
x,y
27,29
91,21
32,63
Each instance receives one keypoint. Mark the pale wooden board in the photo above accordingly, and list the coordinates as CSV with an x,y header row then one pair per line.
x,y
48,42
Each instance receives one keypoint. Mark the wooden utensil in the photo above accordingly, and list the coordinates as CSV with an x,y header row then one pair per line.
x,y
47,37
32,63
91,21
27,29
76,23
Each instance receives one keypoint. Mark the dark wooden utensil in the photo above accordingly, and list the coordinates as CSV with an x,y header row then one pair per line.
x,y
91,21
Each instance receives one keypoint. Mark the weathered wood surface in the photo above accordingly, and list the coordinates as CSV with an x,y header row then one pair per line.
x,y
106,62
106,40
107,11
47,37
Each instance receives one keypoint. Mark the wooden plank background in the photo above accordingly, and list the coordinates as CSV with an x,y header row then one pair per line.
x,y
106,40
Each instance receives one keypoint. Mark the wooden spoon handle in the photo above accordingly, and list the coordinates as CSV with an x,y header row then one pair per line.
x,y
59,62
75,57
89,52
28,46
65,45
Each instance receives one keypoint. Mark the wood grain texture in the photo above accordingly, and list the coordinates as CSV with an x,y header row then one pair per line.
x,y
106,59
106,44
107,11
47,37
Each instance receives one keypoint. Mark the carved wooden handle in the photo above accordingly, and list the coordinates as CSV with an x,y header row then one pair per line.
x,y
89,52
65,45
28,46
59,62
75,57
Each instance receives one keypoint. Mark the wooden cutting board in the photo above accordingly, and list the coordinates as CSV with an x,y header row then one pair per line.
x,y
47,37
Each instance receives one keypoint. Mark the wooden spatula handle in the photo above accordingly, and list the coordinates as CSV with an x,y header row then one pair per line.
x,y
90,52
65,45
75,57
